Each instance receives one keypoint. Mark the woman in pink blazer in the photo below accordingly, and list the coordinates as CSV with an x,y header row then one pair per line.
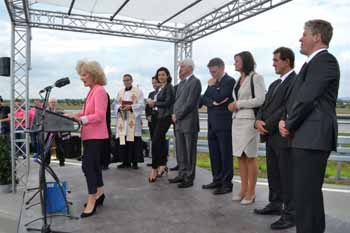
x,y
93,132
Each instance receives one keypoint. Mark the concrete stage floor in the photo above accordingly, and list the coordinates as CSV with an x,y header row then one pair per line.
x,y
136,206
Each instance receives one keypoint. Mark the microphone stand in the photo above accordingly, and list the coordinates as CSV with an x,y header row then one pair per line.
x,y
42,178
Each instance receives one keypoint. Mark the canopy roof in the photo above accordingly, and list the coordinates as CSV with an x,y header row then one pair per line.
x,y
148,10
177,21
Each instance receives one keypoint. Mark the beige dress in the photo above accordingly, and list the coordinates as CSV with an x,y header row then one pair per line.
x,y
244,135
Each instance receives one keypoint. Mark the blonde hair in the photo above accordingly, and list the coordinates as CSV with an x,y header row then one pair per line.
x,y
94,69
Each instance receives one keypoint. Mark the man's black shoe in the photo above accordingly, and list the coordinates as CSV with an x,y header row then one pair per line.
x,y
282,223
123,165
222,190
212,185
177,179
105,167
149,164
269,209
134,166
185,184
176,168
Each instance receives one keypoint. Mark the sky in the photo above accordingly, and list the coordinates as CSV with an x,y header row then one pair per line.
x,y
55,53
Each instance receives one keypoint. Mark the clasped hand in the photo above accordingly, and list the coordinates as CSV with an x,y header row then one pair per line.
x,y
260,126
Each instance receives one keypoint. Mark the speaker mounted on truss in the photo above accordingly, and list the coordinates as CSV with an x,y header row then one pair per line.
x,y
5,66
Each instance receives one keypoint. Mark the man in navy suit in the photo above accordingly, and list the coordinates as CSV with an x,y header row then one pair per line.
x,y
311,124
216,98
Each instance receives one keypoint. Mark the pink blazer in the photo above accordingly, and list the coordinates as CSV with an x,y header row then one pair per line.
x,y
93,114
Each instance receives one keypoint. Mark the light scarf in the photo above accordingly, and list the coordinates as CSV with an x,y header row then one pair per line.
x,y
129,116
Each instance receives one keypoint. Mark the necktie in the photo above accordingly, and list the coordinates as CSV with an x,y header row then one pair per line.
x,y
303,68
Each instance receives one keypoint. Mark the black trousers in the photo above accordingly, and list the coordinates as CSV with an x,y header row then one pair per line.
x,y
91,164
131,152
159,146
280,177
309,171
220,151
106,155
152,124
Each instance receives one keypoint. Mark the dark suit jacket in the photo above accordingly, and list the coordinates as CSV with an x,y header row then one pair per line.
x,y
219,117
273,109
148,110
311,116
165,101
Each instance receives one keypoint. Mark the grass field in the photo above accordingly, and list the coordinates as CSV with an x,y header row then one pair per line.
x,y
203,161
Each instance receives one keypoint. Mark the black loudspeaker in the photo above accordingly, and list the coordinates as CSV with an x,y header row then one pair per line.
x,y
5,66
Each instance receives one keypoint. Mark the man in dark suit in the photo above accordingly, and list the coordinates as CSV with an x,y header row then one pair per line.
x,y
278,158
186,119
216,98
311,124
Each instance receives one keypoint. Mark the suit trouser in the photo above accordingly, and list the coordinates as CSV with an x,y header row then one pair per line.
x,y
309,171
280,177
91,164
220,151
106,155
186,149
159,147
59,151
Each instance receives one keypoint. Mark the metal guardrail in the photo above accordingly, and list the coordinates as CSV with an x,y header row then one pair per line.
x,y
341,155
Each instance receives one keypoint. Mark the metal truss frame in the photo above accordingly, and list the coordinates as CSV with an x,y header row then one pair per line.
x,y
23,18
100,25
20,66
227,15
182,50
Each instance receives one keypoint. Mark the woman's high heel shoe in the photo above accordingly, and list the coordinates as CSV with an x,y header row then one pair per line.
x,y
152,179
162,173
248,201
99,200
85,215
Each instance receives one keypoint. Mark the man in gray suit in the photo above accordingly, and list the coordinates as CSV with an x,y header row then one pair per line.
x,y
186,119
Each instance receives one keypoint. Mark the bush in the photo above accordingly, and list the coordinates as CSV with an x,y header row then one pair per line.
x,y
5,161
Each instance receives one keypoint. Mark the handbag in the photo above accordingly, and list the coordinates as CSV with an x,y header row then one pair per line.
x,y
256,110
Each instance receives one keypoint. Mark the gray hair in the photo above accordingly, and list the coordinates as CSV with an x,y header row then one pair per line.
x,y
187,62
322,27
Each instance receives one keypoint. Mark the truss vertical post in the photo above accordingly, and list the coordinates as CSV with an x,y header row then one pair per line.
x,y
182,50
20,66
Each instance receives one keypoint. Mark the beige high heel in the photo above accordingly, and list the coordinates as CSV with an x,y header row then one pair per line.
x,y
237,198
247,201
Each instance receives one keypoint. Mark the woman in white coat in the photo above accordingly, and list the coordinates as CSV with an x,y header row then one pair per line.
x,y
247,96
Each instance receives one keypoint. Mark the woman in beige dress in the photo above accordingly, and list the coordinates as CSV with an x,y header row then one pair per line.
x,y
244,135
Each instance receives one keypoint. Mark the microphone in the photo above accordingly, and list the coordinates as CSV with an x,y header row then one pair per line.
x,y
59,83
62,82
